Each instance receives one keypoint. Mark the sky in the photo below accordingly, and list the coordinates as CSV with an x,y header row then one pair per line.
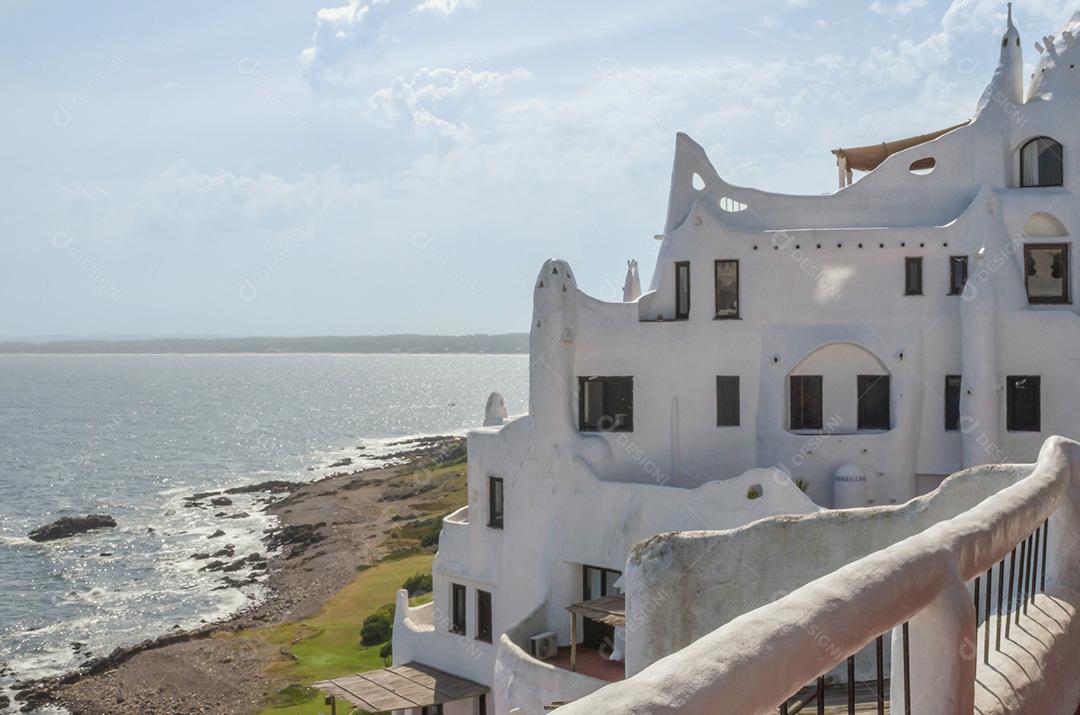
x,y
349,167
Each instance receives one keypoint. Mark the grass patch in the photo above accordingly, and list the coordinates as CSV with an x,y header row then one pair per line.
x,y
328,644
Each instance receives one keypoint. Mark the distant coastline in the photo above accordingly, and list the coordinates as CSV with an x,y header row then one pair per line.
x,y
508,343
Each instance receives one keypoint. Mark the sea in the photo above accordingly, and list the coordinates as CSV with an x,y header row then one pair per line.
x,y
132,435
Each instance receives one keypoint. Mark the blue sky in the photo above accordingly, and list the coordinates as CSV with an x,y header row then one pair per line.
x,y
316,168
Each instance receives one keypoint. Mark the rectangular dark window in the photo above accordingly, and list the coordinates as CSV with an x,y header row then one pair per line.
x,y
874,402
1024,403
958,274
458,619
483,616
495,502
727,289
913,275
1046,272
682,290
727,401
952,403
806,402
606,404
432,710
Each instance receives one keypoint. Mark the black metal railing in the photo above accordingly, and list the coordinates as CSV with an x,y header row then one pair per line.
x,y
1027,577
817,695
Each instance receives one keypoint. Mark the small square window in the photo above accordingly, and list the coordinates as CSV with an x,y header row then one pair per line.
x,y
913,275
1024,403
727,401
495,502
952,403
958,274
1046,274
606,404
727,289
682,290
806,402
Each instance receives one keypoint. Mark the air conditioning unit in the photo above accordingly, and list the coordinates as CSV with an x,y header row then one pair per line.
x,y
543,646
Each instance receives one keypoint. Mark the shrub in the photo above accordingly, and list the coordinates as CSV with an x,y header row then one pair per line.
x,y
387,653
292,696
378,626
418,583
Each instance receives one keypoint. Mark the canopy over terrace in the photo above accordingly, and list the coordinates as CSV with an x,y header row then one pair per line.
x,y
401,687
868,158
609,610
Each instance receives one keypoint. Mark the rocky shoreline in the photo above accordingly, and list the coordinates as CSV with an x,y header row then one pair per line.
x,y
327,530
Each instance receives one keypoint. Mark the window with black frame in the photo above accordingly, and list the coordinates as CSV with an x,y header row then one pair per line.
x,y
458,617
1023,400
1042,163
806,404
1046,274
873,402
606,404
727,289
727,400
483,616
682,290
958,274
495,502
952,402
913,275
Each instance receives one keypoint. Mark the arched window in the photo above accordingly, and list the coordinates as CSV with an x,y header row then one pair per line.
x,y
1041,163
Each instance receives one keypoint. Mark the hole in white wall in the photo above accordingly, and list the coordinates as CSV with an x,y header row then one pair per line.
x,y
922,167
697,182
731,205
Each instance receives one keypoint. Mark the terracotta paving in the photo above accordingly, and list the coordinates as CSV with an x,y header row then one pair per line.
x,y
590,662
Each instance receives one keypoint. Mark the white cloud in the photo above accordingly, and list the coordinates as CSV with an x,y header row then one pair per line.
x,y
436,100
901,7
361,28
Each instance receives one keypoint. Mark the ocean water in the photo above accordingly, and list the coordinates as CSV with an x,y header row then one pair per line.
x,y
132,435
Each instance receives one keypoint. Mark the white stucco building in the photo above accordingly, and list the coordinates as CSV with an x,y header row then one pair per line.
x,y
791,354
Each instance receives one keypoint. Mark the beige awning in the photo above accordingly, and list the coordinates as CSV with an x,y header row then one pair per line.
x,y
609,610
867,158
401,687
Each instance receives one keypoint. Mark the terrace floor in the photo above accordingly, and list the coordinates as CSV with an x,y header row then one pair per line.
x,y
590,662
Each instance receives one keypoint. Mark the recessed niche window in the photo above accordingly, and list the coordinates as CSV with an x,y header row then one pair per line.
x,y
952,403
727,289
806,402
697,182
958,274
606,404
1024,403
873,413
1046,273
1042,163
913,275
682,290
495,502
483,616
727,401
458,618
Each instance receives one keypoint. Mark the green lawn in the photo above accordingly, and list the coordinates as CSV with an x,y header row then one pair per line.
x,y
328,644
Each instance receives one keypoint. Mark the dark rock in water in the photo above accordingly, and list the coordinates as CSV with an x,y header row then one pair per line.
x,y
71,526
200,556
228,551
105,554
221,501
213,566
4,701
274,486
238,515
216,534
220,514
340,463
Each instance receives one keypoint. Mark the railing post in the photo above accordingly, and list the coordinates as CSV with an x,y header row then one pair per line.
x,y
943,655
